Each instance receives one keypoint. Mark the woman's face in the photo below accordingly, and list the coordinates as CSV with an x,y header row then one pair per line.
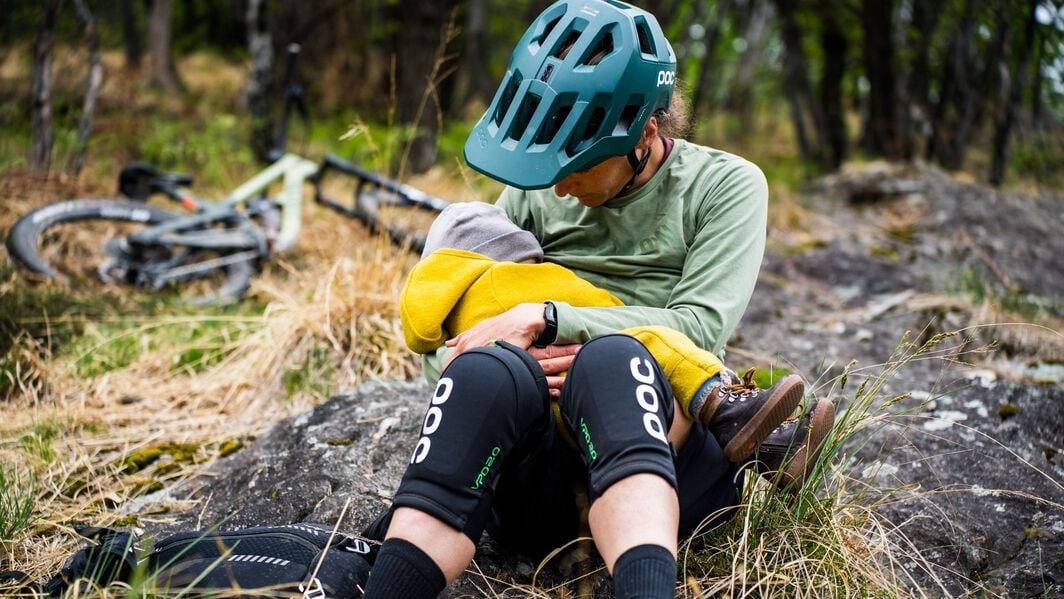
x,y
595,186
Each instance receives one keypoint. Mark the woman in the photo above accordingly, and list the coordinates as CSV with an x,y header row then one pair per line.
x,y
674,230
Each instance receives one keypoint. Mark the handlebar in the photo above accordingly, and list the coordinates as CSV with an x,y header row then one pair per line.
x,y
401,194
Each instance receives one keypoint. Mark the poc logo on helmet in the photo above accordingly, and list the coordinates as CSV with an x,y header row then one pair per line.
x,y
666,78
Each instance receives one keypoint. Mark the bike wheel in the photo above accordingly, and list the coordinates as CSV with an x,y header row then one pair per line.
x,y
69,241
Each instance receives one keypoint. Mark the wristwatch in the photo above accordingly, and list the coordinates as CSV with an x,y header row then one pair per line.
x,y
550,332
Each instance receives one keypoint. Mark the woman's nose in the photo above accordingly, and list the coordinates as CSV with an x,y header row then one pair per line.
x,y
563,187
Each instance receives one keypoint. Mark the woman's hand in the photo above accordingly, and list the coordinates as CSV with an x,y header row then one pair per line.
x,y
555,359
519,326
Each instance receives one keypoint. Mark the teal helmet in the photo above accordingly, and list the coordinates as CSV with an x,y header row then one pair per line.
x,y
582,83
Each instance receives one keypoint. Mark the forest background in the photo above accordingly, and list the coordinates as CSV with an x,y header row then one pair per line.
x,y
803,88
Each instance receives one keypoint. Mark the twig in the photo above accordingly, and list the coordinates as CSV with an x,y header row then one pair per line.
x,y
967,240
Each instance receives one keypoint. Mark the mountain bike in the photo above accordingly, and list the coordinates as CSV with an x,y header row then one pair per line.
x,y
212,253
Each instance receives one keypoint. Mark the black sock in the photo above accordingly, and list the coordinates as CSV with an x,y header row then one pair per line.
x,y
403,570
644,572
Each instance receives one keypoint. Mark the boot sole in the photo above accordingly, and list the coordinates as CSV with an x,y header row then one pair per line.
x,y
777,408
794,474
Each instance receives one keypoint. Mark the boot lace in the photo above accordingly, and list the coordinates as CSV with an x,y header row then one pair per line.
x,y
744,389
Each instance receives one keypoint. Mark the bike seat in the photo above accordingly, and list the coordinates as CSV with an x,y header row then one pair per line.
x,y
138,180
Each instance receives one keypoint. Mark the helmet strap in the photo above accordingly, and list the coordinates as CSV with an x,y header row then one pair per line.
x,y
638,165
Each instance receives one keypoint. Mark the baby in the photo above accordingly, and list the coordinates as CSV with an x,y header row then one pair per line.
x,y
477,264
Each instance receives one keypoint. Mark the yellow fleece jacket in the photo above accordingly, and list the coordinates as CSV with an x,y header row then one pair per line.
x,y
452,290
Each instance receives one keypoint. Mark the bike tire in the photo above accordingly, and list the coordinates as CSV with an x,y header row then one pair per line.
x,y
25,239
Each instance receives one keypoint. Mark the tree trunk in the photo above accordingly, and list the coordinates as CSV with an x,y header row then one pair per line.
x,y
925,21
260,79
741,94
1007,115
834,45
1038,78
163,72
131,35
973,105
480,84
92,88
424,33
955,91
702,91
796,83
43,136
880,137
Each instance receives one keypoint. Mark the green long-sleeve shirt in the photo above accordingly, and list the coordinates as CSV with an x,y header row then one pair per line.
x,y
683,251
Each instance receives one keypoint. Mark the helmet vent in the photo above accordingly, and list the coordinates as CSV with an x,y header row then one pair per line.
x,y
627,118
507,98
646,40
602,47
563,107
566,43
539,39
594,123
524,115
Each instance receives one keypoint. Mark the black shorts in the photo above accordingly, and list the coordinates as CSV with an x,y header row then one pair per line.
x,y
536,505
491,455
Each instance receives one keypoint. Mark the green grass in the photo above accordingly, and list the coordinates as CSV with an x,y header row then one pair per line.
x,y
313,375
196,341
979,288
17,498
825,541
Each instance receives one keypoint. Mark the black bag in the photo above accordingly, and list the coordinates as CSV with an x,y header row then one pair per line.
x,y
284,561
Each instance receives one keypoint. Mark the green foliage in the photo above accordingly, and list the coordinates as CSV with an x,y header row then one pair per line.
x,y
197,342
766,377
313,375
979,288
38,441
1041,160
17,496
218,153
822,537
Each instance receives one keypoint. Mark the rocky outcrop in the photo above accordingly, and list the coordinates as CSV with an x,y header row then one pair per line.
x,y
973,447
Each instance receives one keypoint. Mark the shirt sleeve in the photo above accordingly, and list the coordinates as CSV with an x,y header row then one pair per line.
x,y
719,272
432,363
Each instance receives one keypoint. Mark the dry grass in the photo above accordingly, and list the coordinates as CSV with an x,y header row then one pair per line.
x,y
325,319
329,322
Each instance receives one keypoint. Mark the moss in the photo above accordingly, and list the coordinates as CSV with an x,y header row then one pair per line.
x,y
143,487
74,486
339,442
139,460
126,521
167,468
886,252
1008,410
184,453
229,447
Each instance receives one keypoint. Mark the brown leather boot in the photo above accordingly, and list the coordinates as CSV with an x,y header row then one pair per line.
x,y
742,415
789,453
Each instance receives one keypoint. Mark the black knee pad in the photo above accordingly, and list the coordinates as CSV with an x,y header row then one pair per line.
x,y
618,406
486,401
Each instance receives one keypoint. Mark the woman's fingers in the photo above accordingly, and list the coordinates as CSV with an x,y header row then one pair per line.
x,y
554,386
555,358
519,325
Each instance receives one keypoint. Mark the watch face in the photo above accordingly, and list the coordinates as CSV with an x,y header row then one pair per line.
x,y
550,314
550,331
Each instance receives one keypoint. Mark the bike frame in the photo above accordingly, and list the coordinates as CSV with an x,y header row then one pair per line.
x,y
294,170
